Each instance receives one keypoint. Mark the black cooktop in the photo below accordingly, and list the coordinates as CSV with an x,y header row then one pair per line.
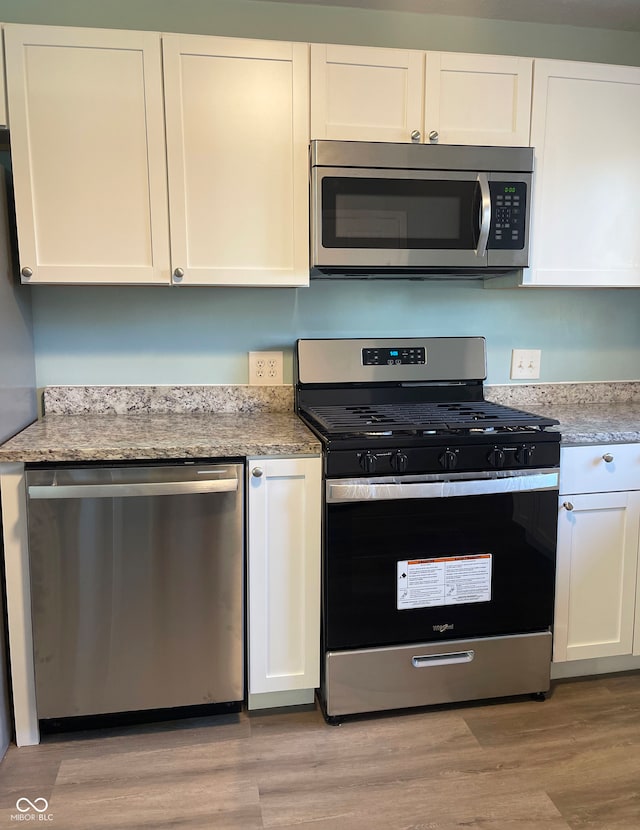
x,y
427,417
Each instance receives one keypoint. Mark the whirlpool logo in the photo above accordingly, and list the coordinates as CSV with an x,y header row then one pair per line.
x,y
35,810
443,627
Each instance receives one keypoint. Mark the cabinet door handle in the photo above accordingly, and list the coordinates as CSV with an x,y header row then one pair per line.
x,y
26,272
415,135
257,472
607,457
567,505
433,135
178,274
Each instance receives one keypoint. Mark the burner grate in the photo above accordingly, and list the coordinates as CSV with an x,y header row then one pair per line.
x,y
423,417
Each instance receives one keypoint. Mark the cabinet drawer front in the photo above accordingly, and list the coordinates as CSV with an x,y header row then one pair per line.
x,y
600,468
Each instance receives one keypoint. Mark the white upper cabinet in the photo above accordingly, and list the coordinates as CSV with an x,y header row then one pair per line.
x,y
360,93
478,99
237,150
585,129
371,94
90,157
88,154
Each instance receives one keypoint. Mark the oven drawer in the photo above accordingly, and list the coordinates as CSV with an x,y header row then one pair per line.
x,y
600,468
369,680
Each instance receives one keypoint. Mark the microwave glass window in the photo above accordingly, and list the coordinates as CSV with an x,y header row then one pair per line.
x,y
396,213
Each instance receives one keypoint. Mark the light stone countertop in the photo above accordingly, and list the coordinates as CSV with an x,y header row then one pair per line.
x,y
146,436
147,423
594,423
589,413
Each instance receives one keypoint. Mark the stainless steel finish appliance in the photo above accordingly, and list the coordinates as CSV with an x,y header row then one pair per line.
x,y
421,674
418,210
439,534
137,586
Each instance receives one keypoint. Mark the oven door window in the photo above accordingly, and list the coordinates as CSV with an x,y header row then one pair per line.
x,y
389,214
477,566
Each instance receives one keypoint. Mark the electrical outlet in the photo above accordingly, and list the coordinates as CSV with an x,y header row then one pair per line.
x,y
525,364
265,368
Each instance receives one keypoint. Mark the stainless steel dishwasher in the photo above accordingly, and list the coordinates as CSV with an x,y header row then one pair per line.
x,y
137,581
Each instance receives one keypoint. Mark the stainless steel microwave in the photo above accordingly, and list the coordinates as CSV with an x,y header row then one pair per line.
x,y
418,210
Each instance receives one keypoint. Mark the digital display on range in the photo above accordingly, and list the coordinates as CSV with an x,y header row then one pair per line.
x,y
394,357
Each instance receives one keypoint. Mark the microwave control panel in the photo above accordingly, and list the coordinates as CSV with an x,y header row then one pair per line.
x,y
508,213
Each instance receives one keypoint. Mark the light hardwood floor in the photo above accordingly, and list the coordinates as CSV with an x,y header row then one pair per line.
x,y
570,762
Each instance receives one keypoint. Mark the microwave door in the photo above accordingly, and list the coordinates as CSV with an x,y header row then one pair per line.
x,y
399,219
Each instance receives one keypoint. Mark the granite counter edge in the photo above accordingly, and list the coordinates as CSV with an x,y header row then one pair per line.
x,y
173,453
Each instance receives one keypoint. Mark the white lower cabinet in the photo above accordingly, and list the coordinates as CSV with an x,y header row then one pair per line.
x,y
597,566
284,509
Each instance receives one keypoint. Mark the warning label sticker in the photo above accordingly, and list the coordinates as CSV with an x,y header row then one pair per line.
x,y
447,580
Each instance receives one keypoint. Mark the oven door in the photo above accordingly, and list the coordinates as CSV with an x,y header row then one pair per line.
x,y
420,559
386,219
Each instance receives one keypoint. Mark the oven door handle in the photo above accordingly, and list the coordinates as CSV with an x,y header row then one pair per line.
x,y
371,491
447,659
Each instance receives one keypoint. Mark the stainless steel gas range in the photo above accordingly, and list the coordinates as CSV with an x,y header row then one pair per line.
x,y
439,525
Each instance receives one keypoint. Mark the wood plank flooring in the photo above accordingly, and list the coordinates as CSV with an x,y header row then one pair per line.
x,y
570,762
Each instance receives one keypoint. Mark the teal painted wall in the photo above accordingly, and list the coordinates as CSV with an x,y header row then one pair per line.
x,y
202,335
333,24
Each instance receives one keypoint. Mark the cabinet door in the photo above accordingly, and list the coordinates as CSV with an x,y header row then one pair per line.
x,y
585,125
284,574
596,575
478,99
237,148
361,93
88,154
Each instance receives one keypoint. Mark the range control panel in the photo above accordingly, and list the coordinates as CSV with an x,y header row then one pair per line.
x,y
508,213
399,356
502,453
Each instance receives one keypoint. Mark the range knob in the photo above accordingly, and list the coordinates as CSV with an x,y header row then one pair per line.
x,y
525,455
368,462
399,462
449,460
496,457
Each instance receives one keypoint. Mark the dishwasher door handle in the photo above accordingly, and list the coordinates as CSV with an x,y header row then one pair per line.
x,y
120,491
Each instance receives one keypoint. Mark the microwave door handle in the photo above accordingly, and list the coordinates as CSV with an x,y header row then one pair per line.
x,y
485,214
